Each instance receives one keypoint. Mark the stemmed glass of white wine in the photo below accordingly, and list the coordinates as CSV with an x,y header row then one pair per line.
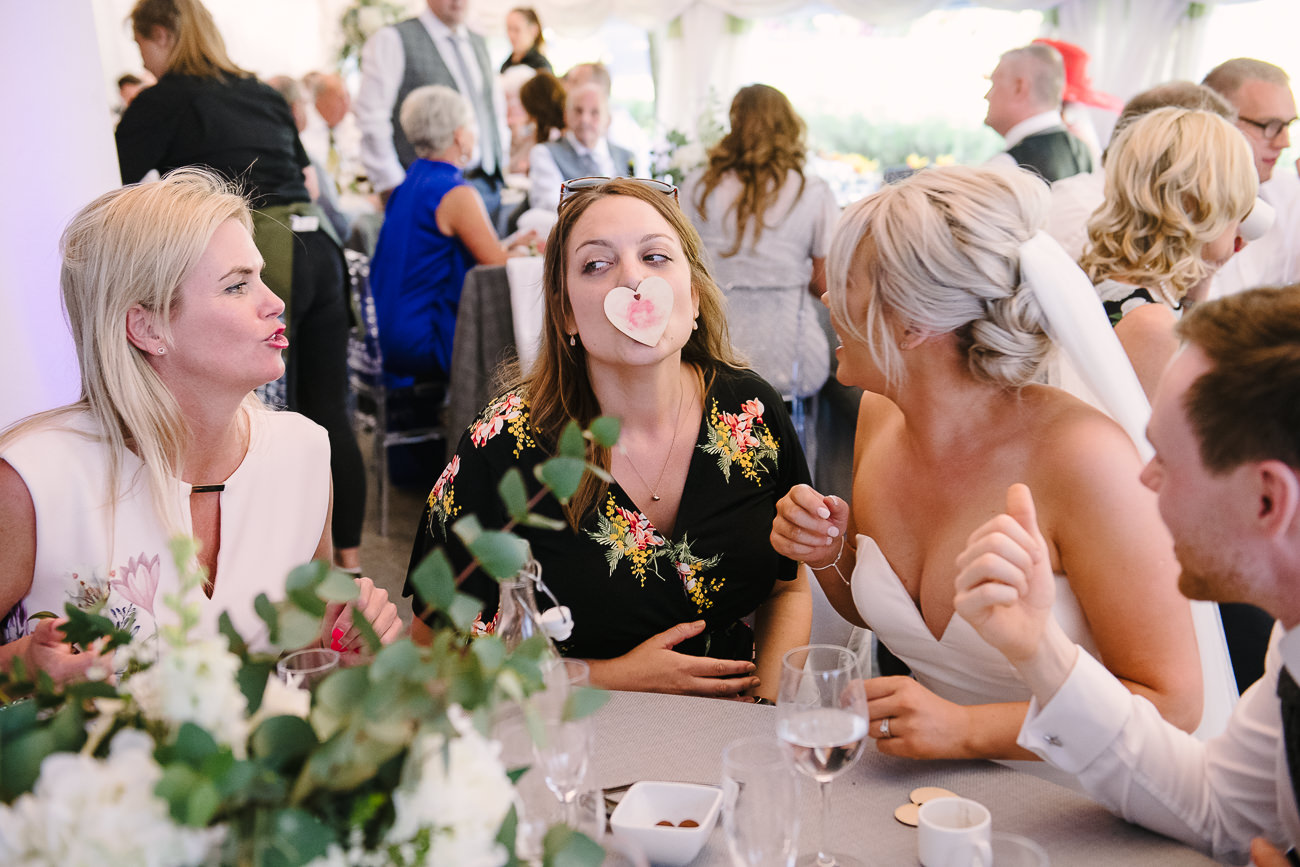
x,y
822,722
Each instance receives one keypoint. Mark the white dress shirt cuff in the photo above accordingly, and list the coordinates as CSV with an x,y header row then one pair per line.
x,y
1082,719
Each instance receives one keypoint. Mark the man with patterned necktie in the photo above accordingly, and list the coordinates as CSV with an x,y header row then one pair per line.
x,y
1226,429
435,47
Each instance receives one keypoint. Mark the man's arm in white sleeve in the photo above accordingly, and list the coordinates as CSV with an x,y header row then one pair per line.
x,y
382,67
544,180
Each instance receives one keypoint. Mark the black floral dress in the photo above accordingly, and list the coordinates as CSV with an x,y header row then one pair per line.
x,y
622,578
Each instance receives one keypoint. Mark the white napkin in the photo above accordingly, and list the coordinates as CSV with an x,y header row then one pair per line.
x,y
524,274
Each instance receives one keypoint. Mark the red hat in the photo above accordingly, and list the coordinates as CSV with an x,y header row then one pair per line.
x,y
1078,87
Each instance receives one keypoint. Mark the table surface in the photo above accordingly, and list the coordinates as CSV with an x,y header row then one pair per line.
x,y
641,736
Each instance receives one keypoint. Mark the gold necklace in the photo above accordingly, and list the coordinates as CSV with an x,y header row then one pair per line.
x,y
677,424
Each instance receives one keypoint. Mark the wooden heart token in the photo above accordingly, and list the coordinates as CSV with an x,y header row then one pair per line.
x,y
641,313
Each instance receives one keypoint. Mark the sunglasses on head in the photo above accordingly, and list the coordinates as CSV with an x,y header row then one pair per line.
x,y
568,188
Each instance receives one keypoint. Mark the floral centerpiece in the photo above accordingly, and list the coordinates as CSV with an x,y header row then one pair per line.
x,y
192,751
680,152
361,20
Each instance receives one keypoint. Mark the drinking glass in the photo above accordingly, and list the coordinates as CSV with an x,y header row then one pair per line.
x,y
306,668
564,751
822,721
759,806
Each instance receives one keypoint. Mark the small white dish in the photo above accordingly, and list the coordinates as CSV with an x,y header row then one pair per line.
x,y
649,802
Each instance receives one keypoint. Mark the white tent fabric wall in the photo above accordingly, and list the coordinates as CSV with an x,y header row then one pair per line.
x,y
62,158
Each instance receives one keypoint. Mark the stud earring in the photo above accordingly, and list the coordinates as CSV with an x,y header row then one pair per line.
x,y
162,350
695,325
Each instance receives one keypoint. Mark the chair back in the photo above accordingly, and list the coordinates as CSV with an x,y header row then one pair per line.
x,y
776,329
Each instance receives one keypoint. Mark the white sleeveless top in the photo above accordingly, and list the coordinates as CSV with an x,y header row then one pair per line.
x,y
273,513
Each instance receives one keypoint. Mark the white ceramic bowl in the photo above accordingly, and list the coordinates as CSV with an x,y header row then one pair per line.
x,y
648,802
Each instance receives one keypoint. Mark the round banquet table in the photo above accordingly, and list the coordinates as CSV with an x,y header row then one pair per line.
x,y
647,736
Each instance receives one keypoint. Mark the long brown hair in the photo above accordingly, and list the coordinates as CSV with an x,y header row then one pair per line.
x,y
765,143
199,49
557,387
543,97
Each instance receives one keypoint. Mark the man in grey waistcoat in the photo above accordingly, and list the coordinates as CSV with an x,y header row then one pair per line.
x,y
435,47
1024,100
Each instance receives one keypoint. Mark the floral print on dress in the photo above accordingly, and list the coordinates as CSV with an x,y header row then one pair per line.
x,y
742,440
442,499
508,412
139,581
693,572
628,534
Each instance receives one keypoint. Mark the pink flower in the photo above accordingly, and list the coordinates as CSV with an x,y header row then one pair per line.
x,y
752,409
486,430
448,474
139,581
643,534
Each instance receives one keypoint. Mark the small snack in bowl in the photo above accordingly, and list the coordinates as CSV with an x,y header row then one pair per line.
x,y
669,822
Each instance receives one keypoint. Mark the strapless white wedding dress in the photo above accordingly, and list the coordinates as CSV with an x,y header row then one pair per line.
x,y
962,667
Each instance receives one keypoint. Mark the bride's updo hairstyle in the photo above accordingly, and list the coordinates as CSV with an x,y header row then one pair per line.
x,y
940,252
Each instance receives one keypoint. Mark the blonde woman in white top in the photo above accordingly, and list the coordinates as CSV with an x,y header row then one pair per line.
x,y
174,329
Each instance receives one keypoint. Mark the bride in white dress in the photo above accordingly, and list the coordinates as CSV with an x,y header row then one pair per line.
x,y
926,294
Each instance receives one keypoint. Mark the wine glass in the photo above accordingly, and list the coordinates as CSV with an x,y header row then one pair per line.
x,y
760,808
565,746
304,669
822,721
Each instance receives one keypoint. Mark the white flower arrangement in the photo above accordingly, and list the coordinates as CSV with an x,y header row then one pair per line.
x,y
195,683
88,811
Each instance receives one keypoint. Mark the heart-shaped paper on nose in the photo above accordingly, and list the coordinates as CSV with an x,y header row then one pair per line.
x,y
641,313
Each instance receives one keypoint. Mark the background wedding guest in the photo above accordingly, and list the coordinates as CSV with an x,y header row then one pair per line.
x,y
1261,94
1227,474
765,223
318,178
543,98
435,47
1024,100
945,336
1074,199
174,330
527,44
434,231
1178,184
660,564
206,111
520,125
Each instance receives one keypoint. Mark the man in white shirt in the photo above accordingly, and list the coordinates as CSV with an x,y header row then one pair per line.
x,y
1024,100
583,150
1227,474
433,48
1261,93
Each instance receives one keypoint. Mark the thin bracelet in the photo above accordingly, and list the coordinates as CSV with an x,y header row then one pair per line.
x,y
835,564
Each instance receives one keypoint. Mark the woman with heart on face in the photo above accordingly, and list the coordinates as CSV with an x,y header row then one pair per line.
x,y
660,565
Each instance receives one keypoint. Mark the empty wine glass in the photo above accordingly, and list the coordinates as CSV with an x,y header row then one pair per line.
x,y
822,721
564,748
306,668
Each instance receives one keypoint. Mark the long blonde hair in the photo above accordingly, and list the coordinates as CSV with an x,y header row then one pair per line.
x,y
199,48
1176,179
135,246
765,144
557,386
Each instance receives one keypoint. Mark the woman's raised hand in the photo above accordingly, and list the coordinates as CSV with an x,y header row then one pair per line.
x,y
809,526
653,666
374,605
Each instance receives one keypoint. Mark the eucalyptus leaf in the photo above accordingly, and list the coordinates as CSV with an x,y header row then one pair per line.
x,y
564,847
542,522
605,430
572,443
513,494
270,616
281,741
84,628
395,661
562,475
234,640
193,745
297,627
368,634
464,610
499,553
467,529
490,650
583,701
201,803
338,587
252,681
434,581
298,838
178,780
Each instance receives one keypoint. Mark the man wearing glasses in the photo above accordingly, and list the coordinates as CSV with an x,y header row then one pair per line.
x,y
1266,110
